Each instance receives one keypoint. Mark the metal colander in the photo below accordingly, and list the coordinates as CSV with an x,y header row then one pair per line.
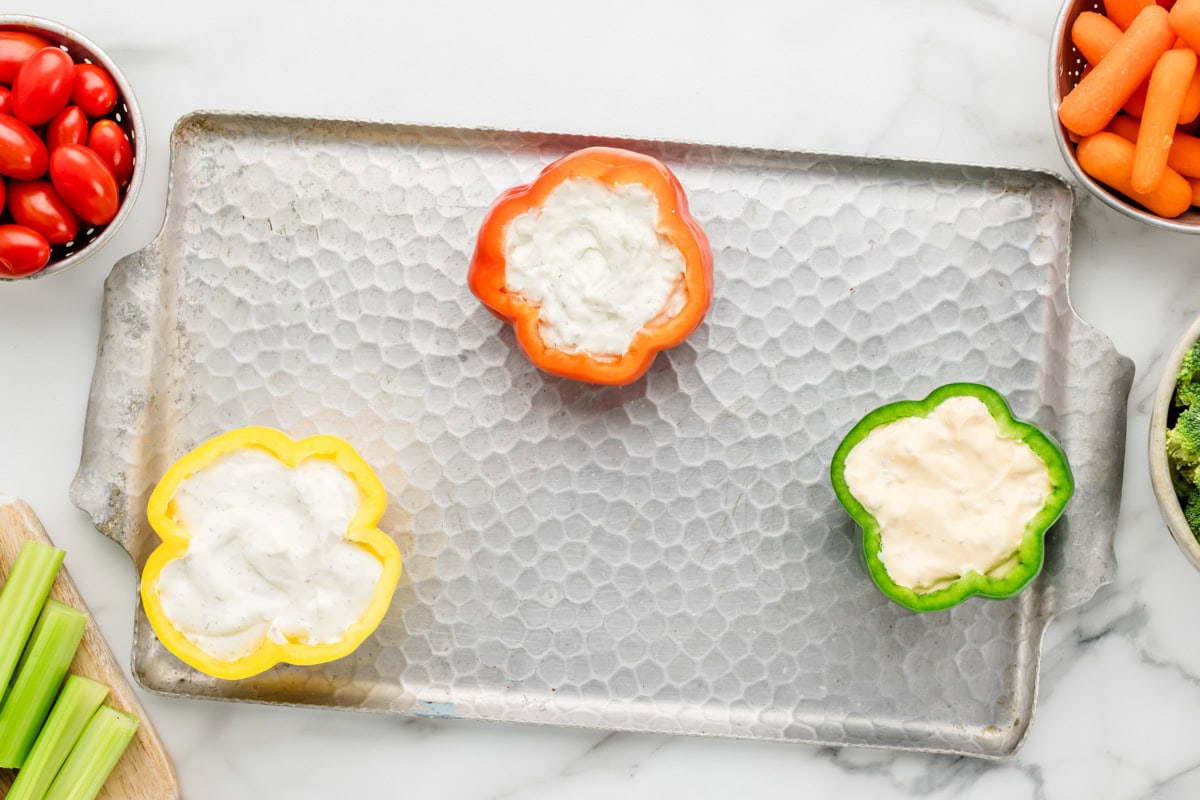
x,y
1066,66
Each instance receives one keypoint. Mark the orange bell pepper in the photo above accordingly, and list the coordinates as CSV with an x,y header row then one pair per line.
x,y
175,536
612,167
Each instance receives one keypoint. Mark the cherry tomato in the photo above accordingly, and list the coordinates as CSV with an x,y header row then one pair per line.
x,y
22,250
69,126
43,86
15,49
5,100
2,193
109,141
85,182
38,207
22,154
94,91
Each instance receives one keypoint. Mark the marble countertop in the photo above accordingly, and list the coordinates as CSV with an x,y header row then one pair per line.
x,y
945,80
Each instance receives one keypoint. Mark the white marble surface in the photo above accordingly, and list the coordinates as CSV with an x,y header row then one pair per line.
x,y
955,80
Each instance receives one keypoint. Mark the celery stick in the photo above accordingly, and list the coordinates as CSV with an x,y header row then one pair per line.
x,y
21,599
39,676
74,708
92,760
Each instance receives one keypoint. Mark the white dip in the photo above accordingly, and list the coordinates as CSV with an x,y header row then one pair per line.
x,y
268,556
951,495
593,261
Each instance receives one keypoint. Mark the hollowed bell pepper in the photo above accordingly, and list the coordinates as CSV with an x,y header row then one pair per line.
x,y
362,530
1031,552
612,167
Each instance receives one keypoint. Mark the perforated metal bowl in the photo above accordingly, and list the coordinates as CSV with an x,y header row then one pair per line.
x,y
126,114
1066,65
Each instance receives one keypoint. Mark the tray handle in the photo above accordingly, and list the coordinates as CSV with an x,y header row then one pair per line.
x,y
123,407
1093,426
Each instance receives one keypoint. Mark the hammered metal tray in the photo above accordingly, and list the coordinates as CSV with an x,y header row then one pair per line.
x,y
667,556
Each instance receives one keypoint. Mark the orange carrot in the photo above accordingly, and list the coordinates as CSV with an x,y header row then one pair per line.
x,y
1083,73
1195,191
1136,104
1185,21
1190,110
1094,35
1123,12
1096,100
1184,156
1109,159
1124,126
1168,85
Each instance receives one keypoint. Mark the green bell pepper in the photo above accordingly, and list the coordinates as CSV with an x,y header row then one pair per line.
x,y
1031,552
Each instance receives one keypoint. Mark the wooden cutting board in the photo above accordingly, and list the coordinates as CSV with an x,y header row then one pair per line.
x,y
145,771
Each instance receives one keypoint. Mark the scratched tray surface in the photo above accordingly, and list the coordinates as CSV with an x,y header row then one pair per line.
x,y
667,556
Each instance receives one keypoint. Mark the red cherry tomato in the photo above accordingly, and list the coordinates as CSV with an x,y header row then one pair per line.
x,y
43,86
15,49
38,207
69,126
5,100
86,183
94,90
22,250
2,193
22,154
109,141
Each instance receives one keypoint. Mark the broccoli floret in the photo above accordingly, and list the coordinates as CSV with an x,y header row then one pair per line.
x,y
1183,438
1183,445
1187,385
1191,510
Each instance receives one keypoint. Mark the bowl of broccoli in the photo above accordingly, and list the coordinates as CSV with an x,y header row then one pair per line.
x,y
1175,444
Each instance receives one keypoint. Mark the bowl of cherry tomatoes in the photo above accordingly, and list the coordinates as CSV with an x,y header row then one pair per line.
x,y
71,147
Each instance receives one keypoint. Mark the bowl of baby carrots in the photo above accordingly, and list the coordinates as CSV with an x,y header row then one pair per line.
x,y
1125,93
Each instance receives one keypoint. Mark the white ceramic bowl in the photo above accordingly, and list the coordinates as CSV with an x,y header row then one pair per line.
x,y
128,116
1160,472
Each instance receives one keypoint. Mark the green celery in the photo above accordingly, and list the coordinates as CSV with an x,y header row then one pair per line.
x,y
92,760
39,676
74,708
21,599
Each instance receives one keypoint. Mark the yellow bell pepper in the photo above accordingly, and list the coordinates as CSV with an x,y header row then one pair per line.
x,y
362,530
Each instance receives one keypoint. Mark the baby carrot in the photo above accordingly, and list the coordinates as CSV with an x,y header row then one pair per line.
x,y
1125,126
1094,35
1098,98
1190,110
1195,191
1109,159
1168,85
1136,104
1184,156
1185,21
1123,12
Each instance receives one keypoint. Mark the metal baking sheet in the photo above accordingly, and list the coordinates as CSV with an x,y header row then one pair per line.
x,y
666,556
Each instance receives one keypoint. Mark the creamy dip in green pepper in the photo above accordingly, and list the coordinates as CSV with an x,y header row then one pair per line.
x,y
950,494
